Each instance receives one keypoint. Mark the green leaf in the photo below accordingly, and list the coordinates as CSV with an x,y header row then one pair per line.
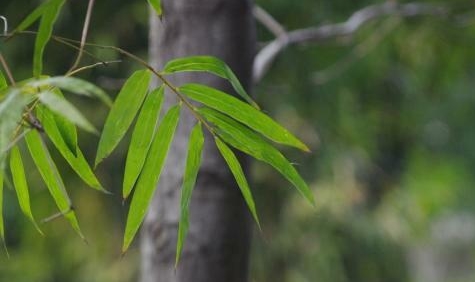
x,y
3,81
148,179
212,65
247,141
122,113
32,17
45,30
50,174
238,173
68,132
73,85
193,161
65,109
2,227
157,6
142,138
21,187
76,160
242,112
11,109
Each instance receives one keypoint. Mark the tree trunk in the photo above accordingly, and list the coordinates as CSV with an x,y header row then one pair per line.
x,y
217,245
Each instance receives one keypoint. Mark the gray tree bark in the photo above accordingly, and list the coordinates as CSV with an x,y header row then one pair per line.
x,y
217,245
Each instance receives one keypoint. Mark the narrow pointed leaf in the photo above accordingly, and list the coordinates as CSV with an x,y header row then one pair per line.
x,y
212,65
50,174
11,109
193,161
77,162
148,179
242,112
65,109
32,17
45,30
142,138
21,187
247,141
68,133
157,6
73,85
238,173
2,226
123,112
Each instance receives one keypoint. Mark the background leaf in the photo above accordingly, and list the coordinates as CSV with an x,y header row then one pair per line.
x,y
32,17
2,226
20,184
247,141
45,30
50,174
150,175
142,138
123,112
212,65
242,112
3,82
238,173
193,161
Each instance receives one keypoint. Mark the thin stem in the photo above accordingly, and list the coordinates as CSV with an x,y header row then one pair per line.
x,y
7,69
105,63
85,29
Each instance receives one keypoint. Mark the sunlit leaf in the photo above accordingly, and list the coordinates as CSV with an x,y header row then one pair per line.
x,y
238,173
21,187
11,109
247,141
123,112
62,107
50,174
148,179
242,112
73,85
2,227
157,6
209,64
77,162
45,30
193,161
142,138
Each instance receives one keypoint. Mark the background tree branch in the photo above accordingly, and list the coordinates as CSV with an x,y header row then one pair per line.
x,y
266,56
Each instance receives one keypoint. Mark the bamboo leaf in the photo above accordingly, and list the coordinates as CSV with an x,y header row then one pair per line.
x,y
32,17
73,85
50,174
238,173
242,112
2,227
193,161
3,82
123,112
21,187
11,109
142,138
148,179
76,160
65,109
157,6
247,141
68,133
212,65
45,30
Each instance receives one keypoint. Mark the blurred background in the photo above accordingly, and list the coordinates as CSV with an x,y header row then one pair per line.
x,y
387,112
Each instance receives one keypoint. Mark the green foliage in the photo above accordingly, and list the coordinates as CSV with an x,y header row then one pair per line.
x,y
36,105
157,6
193,162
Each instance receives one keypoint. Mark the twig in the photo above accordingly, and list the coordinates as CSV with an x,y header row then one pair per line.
x,y
105,63
266,55
7,69
85,29
268,21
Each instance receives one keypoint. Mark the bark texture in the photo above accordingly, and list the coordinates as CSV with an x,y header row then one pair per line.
x,y
217,245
